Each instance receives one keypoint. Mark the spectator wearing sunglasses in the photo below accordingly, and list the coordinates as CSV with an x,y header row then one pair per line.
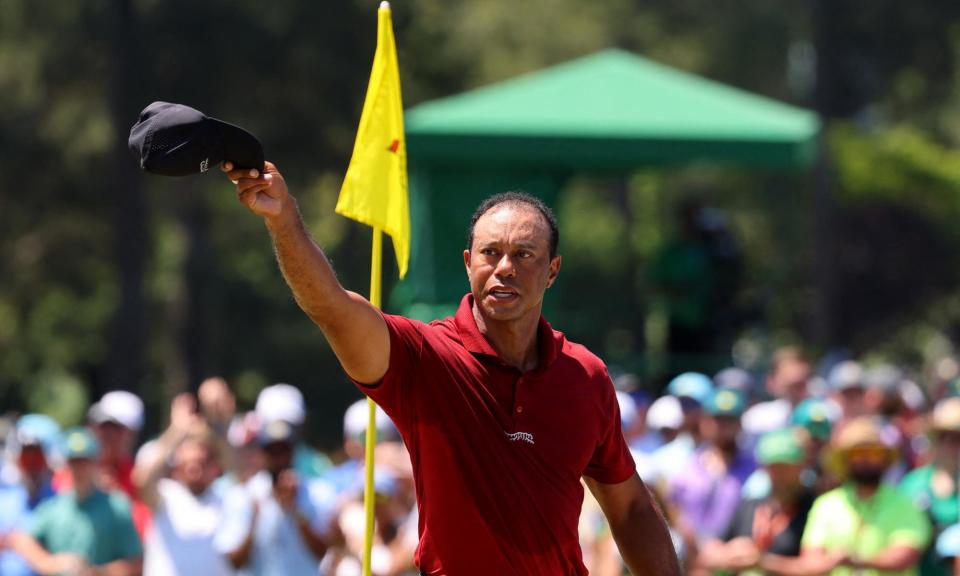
x,y
865,526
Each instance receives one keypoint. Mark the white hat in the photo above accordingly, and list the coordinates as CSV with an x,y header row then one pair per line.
x,y
356,417
665,412
845,375
628,410
281,402
121,407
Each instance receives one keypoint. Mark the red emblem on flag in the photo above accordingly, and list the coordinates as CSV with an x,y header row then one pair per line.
x,y
394,146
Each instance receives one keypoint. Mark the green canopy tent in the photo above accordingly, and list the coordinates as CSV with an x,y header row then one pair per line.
x,y
608,112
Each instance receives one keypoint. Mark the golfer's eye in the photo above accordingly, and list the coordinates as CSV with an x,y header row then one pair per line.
x,y
524,254
488,252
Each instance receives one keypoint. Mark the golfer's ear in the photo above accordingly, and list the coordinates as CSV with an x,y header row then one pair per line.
x,y
466,261
554,270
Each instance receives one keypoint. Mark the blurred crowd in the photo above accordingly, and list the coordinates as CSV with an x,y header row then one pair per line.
x,y
216,493
836,468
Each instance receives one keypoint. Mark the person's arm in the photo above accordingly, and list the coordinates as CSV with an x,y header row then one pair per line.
x,y
638,526
315,543
714,555
39,559
354,328
892,559
240,556
218,406
810,562
285,491
123,567
147,473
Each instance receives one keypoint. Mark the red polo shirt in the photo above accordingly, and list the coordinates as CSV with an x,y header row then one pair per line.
x,y
498,454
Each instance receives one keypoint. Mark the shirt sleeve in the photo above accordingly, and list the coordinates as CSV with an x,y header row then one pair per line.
x,y
611,462
406,345
815,533
38,523
742,522
234,521
126,540
908,526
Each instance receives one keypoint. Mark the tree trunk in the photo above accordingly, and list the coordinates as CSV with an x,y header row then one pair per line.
x,y
124,368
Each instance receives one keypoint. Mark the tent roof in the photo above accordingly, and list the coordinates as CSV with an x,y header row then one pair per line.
x,y
611,109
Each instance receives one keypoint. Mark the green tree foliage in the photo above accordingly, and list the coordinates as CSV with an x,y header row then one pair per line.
x,y
295,73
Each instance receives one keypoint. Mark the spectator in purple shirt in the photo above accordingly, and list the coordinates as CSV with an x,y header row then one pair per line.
x,y
706,494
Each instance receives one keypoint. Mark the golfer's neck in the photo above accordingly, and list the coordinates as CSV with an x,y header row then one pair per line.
x,y
515,341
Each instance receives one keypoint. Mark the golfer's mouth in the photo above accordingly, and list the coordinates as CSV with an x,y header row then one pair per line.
x,y
502,294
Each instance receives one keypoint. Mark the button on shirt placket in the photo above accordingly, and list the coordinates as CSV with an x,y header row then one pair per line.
x,y
519,398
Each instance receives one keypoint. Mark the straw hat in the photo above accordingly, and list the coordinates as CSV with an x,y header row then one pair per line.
x,y
857,433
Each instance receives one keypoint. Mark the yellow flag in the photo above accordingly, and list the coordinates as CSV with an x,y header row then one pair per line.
x,y
375,188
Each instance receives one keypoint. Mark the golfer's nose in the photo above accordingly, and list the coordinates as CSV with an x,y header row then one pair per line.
x,y
505,266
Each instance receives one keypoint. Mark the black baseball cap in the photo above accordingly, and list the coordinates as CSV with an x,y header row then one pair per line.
x,y
177,140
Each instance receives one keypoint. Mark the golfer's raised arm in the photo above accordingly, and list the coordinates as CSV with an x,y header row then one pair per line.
x,y
355,329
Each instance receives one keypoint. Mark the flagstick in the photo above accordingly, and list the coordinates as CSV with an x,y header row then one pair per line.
x,y
376,261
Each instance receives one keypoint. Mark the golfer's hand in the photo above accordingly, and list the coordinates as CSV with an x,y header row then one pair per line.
x,y
265,194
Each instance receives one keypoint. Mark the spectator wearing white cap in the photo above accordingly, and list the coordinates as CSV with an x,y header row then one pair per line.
x,y
664,418
349,473
284,403
116,421
272,524
176,480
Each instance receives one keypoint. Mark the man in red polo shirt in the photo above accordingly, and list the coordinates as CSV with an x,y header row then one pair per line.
x,y
501,414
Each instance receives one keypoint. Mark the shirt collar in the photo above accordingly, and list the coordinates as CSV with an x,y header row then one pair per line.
x,y
850,488
550,343
82,501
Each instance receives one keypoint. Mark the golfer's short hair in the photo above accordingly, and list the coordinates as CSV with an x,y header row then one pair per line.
x,y
515,198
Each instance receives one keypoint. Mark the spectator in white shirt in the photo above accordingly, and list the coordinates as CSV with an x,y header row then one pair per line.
x,y
187,511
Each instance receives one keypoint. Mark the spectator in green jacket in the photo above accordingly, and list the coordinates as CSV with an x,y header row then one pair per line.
x,y
84,531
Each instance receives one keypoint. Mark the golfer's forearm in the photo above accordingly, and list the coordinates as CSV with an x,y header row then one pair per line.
x,y
354,328
306,268
645,542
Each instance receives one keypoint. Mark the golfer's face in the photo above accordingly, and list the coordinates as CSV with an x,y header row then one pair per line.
x,y
509,264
